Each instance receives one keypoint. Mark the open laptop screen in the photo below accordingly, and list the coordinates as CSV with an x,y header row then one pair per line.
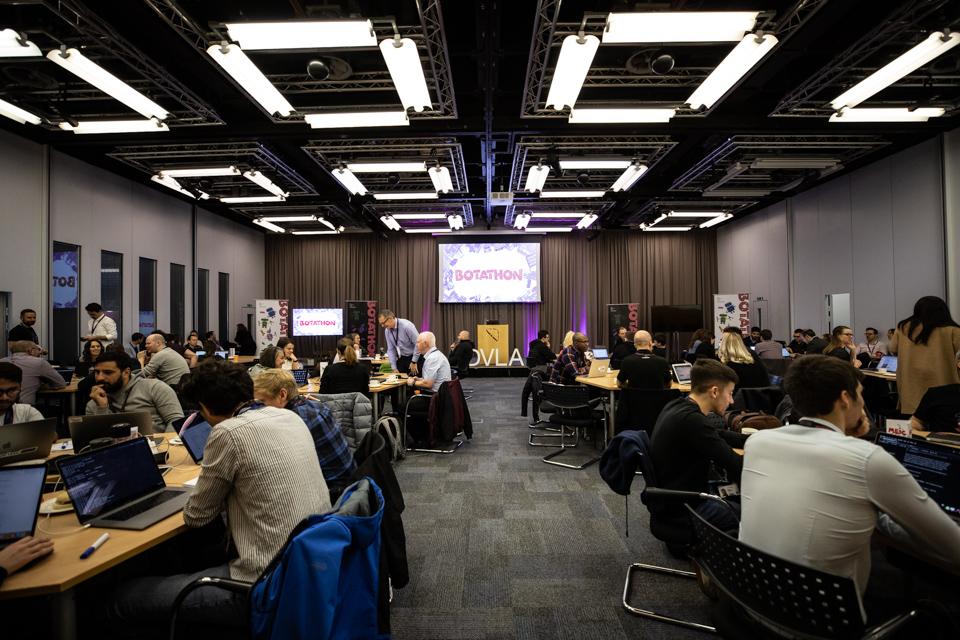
x,y
682,373
20,491
103,479
195,439
889,363
935,467
599,353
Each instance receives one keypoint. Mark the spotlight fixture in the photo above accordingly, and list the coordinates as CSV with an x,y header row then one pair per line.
x,y
318,69
583,177
268,225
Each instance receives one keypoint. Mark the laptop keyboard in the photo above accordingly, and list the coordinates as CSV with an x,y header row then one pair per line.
x,y
144,505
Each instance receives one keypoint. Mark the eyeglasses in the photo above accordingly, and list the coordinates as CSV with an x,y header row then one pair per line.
x,y
847,334
10,392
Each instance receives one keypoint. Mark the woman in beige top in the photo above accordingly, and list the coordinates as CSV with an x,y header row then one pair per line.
x,y
925,344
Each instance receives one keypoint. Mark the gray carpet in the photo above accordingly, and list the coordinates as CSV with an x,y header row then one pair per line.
x,y
502,546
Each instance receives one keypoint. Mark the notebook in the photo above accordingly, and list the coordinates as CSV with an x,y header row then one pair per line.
x,y
21,491
120,487
83,429
27,440
194,436
681,372
935,467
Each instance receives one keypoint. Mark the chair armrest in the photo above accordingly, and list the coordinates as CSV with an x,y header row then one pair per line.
x,y
236,586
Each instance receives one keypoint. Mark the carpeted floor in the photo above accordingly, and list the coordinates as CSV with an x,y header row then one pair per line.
x,y
502,546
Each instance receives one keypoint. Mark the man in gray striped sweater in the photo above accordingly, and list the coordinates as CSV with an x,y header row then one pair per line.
x,y
260,466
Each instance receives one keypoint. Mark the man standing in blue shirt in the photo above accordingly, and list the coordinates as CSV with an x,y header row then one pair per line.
x,y
401,342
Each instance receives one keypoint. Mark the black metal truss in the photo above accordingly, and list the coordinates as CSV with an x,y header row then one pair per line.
x,y
152,158
453,207
846,149
100,36
430,36
528,151
900,26
543,27
596,207
330,154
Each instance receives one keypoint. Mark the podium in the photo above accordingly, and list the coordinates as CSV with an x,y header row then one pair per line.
x,y
493,343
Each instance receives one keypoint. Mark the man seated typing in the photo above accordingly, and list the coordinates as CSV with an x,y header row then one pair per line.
x,y
813,492
685,444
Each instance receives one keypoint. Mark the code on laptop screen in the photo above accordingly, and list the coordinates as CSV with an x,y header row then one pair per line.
x,y
936,468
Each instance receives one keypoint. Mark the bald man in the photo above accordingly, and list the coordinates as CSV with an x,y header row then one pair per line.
x,y
643,370
435,370
37,373
571,362
461,350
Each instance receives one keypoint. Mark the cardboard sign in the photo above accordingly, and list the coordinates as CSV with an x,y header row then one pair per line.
x,y
899,428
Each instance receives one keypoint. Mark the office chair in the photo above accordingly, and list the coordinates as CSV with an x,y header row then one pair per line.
x,y
448,416
575,410
638,409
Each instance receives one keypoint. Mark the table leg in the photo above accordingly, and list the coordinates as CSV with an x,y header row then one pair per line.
x,y
376,402
64,614
611,416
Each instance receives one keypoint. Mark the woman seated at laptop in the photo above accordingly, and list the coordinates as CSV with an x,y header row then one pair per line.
x,y
748,367
841,346
91,351
355,338
290,361
270,358
347,375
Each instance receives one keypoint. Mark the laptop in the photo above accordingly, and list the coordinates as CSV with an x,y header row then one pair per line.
x,y
368,365
194,436
120,487
21,491
83,429
935,467
600,353
66,374
300,375
784,352
886,362
222,354
681,372
598,368
27,440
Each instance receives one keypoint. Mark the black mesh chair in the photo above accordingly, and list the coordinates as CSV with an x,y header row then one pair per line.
x,y
575,411
638,409
763,399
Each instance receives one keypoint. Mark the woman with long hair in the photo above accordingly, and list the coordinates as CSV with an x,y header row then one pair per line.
x,y
354,339
270,358
91,351
290,361
734,353
925,345
706,348
347,375
567,341
841,345
696,339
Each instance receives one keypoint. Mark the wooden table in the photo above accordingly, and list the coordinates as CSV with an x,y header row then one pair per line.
x,y
889,377
609,383
62,570
313,386
246,359
68,393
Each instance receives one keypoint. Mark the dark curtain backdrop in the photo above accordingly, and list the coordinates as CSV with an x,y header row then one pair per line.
x,y
578,279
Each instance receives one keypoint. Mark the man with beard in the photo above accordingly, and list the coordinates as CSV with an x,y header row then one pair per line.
x,y
25,330
116,391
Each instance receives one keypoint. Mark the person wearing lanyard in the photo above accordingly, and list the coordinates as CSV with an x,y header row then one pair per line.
x,y
99,326
813,492
117,391
401,342
12,411
872,347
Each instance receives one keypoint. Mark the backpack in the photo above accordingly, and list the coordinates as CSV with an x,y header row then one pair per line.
x,y
389,428
751,420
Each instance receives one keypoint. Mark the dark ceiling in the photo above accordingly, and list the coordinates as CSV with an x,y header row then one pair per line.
x,y
488,68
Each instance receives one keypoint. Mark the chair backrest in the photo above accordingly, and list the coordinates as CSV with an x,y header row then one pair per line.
x,y
779,594
640,408
763,399
448,413
566,396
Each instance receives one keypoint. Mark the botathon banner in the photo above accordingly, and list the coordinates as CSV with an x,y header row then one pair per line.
x,y
361,318
271,322
623,314
731,309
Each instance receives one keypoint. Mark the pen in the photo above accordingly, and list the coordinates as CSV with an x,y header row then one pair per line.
x,y
96,545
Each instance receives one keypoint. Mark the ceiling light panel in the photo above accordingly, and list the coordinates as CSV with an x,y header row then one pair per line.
x,y
548,229
694,214
201,172
419,216
587,220
587,163
348,119
290,218
349,181
386,167
243,199
793,163
403,63
390,223
557,215
536,178
314,233
171,183
236,63
521,221
626,116
14,112
717,220
735,66
12,47
455,221
333,34
268,225
440,176
630,175
886,115
572,67
265,182
572,194
116,126
682,26
447,230
407,195
645,228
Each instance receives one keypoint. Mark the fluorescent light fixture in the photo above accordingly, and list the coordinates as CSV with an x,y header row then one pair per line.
x,y
643,228
521,221
886,115
349,181
289,218
441,179
264,181
557,215
386,167
245,199
600,116
314,233
694,214
419,216
586,163
732,172
548,229
536,178
737,64
740,193
392,224
587,220
333,34
236,63
171,183
268,225
793,163
201,172
934,46
345,120
88,71
117,126
630,175
448,230
572,67
722,217
680,26
662,217
455,221
829,170
791,185
572,194
16,113
323,220
403,62
11,47
407,195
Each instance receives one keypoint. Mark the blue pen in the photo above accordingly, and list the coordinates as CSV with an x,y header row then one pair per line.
x,y
96,545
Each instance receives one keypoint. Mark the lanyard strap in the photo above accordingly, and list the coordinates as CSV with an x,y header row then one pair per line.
x,y
815,425
8,416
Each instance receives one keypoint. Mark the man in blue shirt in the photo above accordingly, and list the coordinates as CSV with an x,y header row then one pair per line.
x,y
401,342
436,371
